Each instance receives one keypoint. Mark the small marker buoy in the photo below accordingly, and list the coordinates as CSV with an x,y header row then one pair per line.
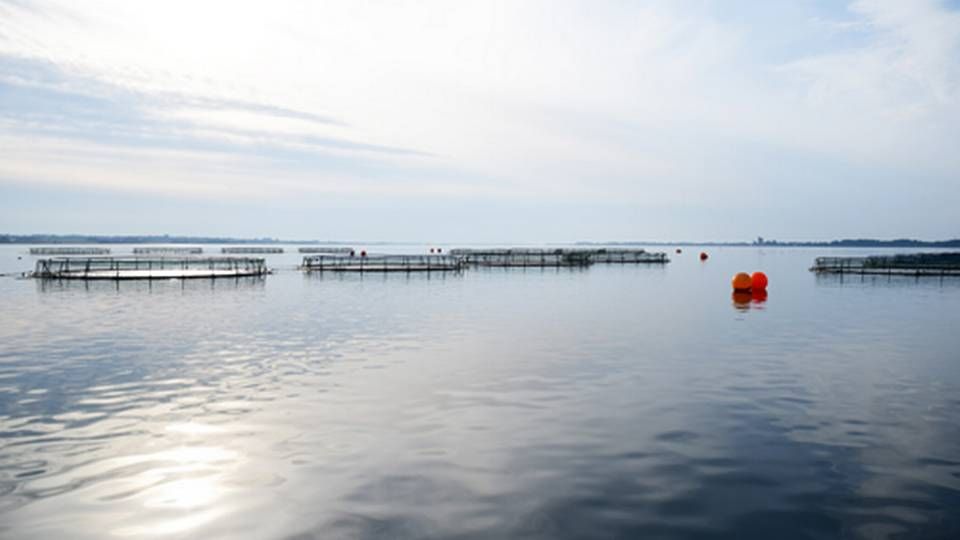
x,y
759,281
703,255
352,253
431,250
741,282
679,250
439,250
363,253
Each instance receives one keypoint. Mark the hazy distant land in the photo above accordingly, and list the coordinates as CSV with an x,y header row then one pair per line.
x,y
167,239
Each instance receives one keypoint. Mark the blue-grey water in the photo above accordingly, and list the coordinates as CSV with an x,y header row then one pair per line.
x,y
609,402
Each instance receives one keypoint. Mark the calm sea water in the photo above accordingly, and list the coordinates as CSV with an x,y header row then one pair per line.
x,y
611,402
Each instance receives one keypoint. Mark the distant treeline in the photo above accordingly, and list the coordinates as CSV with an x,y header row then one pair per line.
x,y
845,243
866,242
167,239
150,239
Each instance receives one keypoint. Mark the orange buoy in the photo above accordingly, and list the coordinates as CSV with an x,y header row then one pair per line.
x,y
759,281
742,282
703,255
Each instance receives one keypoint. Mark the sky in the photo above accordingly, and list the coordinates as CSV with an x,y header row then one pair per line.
x,y
446,121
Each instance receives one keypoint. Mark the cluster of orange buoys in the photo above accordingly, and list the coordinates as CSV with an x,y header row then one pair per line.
x,y
746,287
749,288
744,282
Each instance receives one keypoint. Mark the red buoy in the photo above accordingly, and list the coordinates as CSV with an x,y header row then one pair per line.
x,y
363,253
703,255
759,281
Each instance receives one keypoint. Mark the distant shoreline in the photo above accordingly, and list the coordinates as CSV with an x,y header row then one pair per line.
x,y
844,243
165,239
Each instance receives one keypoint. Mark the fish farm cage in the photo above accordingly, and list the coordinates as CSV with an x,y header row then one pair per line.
x,y
382,263
138,267
328,250
913,264
69,251
251,250
167,251
627,256
524,257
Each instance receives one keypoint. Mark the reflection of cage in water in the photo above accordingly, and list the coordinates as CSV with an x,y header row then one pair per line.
x,y
381,263
148,267
555,257
914,264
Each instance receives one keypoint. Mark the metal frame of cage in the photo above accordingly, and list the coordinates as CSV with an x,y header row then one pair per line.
x,y
936,264
382,263
148,267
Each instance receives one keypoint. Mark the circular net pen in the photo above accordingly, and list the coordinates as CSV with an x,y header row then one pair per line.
x,y
556,257
332,250
251,249
382,263
522,258
627,256
69,251
148,267
164,250
912,264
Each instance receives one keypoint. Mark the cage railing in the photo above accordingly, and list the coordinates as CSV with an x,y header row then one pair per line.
x,y
381,263
912,263
250,249
69,251
147,267
326,250
555,256
164,250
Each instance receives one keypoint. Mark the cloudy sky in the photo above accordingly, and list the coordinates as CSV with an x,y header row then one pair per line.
x,y
482,121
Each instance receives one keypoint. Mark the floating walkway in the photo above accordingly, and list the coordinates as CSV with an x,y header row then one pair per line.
x,y
531,257
163,250
251,249
382,263
148,267
328,250
913,264
69,251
